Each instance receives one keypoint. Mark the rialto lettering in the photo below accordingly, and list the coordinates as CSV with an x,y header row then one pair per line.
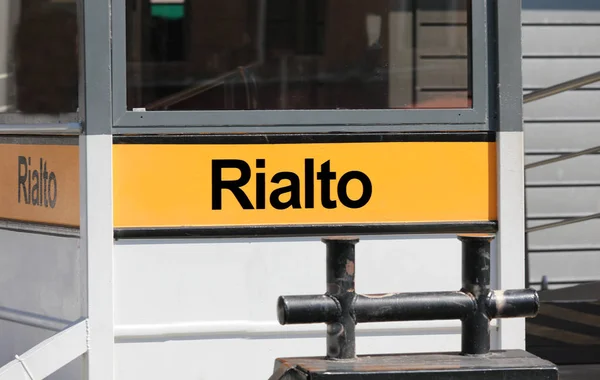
x,y
291,186
36,186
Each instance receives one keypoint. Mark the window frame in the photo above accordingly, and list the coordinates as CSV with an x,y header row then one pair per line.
x,y
264,121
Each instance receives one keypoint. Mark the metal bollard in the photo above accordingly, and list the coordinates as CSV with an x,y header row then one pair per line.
x,y
341,308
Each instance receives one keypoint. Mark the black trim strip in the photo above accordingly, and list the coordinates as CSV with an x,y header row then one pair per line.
x,y
307,230
307,138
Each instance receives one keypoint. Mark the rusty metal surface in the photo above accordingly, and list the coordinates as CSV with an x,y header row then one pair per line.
x,y
511,364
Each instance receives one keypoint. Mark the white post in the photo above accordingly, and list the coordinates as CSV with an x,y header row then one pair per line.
x,y
96,187
511,236
97,246
510,151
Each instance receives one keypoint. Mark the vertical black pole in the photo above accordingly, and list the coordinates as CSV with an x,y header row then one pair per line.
x,y
341,342
476,280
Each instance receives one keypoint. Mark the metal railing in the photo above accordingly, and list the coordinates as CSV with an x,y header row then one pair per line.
x,y
542,94
545,93
572,84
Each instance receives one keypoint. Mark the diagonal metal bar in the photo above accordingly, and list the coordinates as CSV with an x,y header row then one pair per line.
x,y
562,87
563,223
563,157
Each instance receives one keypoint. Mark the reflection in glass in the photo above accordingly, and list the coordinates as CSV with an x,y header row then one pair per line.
x,y
298,54
38,56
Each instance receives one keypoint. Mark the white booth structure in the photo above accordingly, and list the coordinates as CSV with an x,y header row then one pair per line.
x,y
170,167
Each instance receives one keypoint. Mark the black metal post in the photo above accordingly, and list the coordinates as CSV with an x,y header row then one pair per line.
x,y
341,340
476,281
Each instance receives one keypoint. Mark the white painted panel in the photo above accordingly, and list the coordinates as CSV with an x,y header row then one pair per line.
x,y
228,359
561,11
573,105
169,281
228,284
543,72
562,202
572,236
41,275
565,266
561,40
561,137
578,170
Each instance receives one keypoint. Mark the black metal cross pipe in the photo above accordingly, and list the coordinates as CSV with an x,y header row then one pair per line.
x,y
341,308
376,307
413,307
407,307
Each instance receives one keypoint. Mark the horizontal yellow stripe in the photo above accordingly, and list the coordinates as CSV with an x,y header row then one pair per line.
x,y
40,183
411,182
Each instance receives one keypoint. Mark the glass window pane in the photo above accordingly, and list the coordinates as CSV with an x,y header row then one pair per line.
x,y
38,57
298,54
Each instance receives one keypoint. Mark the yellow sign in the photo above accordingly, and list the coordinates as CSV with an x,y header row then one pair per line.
x,y
228,185
40,183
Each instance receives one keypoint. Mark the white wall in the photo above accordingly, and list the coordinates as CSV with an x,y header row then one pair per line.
x,y
42,275
194,309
